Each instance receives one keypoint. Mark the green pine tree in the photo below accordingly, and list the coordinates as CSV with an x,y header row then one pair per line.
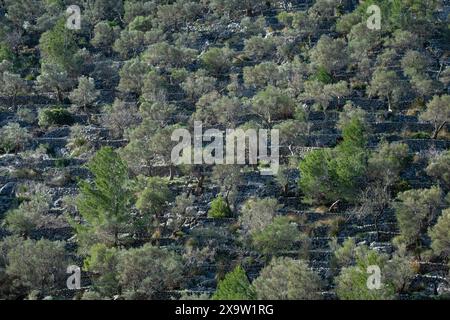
x,y
235,286
104,203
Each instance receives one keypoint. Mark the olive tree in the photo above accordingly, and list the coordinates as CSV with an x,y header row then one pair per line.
x,y
153,197
198,84
38,265
387,162
440,236
438,112
415,211
287,279
278,236
351,283
262,75
272,104
228,177
217,60
386,84
439,168
30,214
85,94
132,76
330,54
119,117
13,137
104,36
12,85
146,271
129,44
55,78
257,214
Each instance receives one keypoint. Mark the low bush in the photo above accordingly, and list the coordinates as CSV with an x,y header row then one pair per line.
x,y
55,117
219,209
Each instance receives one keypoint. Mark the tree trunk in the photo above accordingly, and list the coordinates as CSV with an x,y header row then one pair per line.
x,y
438,129
116,238
286,189
59,95
170,172
199,188
377,217
227,200
389,103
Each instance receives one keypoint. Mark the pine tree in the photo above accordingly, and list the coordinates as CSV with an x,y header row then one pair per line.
x,y
58,46
235,286
104,203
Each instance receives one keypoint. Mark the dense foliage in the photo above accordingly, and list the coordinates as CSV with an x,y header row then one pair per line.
x,y
86,172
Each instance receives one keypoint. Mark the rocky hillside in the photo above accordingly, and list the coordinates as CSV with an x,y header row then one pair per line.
x,y
86,178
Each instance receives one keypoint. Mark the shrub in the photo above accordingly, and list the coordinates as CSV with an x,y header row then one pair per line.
x,y
54,117
420,135
219,208
12,85
186,295
344,254
13,137
287,279
323,76
235,286
27,115
5,52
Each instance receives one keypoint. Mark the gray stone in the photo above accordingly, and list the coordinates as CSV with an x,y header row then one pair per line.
x,y
8,189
